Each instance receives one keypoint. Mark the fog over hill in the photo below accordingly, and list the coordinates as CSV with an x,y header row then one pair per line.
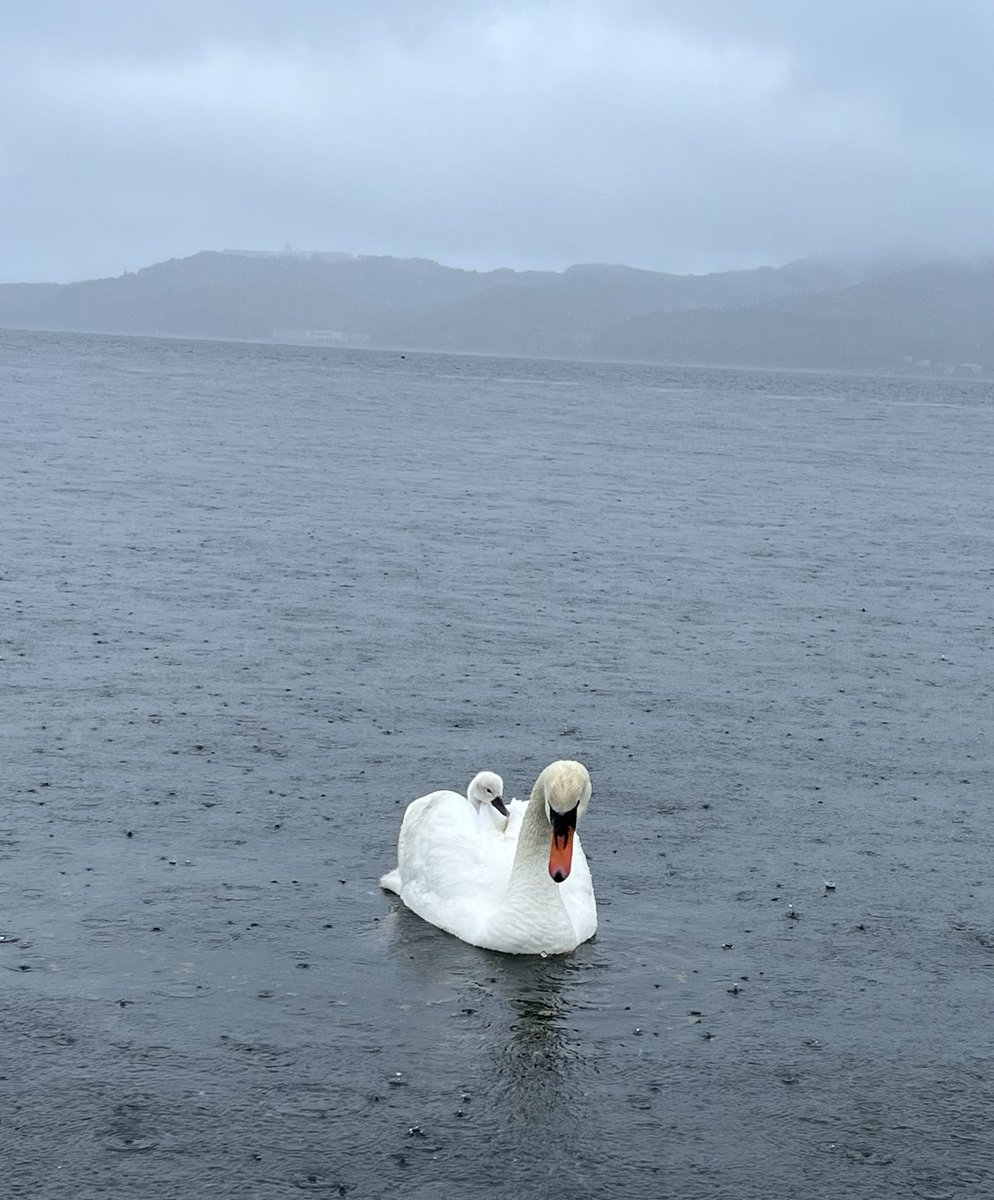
x,y
808,314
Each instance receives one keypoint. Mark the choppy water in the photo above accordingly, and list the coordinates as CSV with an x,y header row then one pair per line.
x,y
257,598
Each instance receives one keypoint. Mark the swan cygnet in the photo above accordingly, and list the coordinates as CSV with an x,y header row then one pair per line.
x,y
526,892
446,819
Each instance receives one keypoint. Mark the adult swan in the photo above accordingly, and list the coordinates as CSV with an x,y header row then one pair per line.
x,y
526,890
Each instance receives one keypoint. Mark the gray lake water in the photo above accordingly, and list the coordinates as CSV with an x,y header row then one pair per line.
x,y
255,599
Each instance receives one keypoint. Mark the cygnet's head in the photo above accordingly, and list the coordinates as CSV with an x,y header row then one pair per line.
x,y
564,789
487,788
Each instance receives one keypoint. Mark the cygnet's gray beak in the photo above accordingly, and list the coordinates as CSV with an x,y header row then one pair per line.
x,y
500,806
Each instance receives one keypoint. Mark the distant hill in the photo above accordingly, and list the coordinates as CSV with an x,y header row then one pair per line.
x,y
935,318
233,295
546,313
810,313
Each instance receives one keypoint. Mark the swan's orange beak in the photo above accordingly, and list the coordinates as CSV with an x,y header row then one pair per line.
x,y
561,852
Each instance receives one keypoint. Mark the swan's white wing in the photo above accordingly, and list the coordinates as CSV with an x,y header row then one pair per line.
x,y
451,865
417,817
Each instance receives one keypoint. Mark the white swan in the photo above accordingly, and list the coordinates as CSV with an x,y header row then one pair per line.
x,y
526,892
445,821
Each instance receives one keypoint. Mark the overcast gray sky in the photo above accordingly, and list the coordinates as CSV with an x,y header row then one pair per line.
x,y
679,135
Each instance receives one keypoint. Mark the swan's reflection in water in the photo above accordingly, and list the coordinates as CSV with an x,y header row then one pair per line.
x,y
527,1058
432,966
532,991
506,1038
533,1054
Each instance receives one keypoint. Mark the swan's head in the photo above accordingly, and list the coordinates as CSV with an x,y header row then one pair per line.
x,y
487,788
564,789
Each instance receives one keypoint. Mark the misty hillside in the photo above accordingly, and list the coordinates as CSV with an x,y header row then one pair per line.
x,y
546,313
806,314
232,295
936,317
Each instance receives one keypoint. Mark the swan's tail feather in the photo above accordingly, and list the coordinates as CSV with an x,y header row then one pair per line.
x,y
390,882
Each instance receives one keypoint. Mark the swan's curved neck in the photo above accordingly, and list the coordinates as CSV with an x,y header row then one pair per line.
x,y
531,856
533,903
535,828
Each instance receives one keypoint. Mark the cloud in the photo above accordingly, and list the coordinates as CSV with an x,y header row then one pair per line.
x,y
483,134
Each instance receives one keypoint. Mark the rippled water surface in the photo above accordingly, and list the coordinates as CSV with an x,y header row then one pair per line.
x,y
256,598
